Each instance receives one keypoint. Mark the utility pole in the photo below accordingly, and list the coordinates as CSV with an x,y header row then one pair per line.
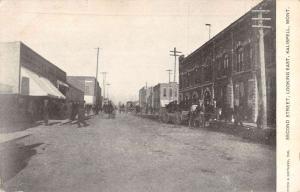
x,y
261,28
209,29
169,72
107,89
96,83
103,82
97,63
174,53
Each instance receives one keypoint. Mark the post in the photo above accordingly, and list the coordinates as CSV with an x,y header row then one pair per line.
x,y
175,58
103,82
263,75
96,81
208,25
107,89
169,71
97,63
263,86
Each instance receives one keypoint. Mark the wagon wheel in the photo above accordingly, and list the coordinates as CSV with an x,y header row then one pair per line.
x,y
178,118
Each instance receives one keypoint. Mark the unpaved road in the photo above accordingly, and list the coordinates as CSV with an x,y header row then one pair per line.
x,y
132,154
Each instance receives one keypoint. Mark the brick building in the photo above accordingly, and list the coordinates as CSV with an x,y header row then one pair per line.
x,y
227,67
90,86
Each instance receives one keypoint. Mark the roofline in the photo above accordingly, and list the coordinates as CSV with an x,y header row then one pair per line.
x,y
22,43
225,29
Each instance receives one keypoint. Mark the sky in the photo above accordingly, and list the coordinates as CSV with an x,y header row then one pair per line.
x,y
134,36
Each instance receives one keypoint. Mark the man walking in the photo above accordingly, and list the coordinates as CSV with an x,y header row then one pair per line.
x,y
46,111
81,115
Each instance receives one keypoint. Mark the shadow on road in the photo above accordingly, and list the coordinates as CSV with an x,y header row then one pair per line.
x,y
14,158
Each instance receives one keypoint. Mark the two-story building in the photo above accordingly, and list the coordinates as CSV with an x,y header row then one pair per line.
x,y
163,94
227,67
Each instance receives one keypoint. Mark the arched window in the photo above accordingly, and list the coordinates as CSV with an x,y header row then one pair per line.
x,y
240,59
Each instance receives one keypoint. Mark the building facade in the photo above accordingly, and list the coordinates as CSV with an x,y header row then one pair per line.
x,y
145,99
227,67
26,80
163,94
90,86
22,67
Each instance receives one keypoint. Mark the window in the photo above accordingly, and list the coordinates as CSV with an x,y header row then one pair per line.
x,y
240,60
225,64
170,92
175,92
165,92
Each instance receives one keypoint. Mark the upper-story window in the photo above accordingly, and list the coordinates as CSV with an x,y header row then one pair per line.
x,y
170,92
240,60
225,64
165,92
207,70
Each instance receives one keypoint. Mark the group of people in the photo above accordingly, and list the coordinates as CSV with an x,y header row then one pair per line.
x,y
108,108
202,111
77,109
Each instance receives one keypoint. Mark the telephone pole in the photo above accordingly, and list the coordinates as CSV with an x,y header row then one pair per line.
x,y
174,53
97,63
103,82
107,89
261,28
169,71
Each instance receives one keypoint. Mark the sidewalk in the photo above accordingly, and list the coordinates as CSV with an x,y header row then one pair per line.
x,y
247,131
7,137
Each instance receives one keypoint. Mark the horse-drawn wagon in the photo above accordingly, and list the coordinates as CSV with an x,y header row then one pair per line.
x,y
194,116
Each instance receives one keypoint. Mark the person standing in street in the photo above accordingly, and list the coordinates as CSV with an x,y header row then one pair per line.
x,y
81,115
46,111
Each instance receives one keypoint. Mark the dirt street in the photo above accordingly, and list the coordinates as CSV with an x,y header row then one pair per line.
x,y
132,154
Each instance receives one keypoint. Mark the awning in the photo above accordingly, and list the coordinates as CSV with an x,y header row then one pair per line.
x,y
62,83
40,86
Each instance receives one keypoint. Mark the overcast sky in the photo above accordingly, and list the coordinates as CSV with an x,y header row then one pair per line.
x,y
135,36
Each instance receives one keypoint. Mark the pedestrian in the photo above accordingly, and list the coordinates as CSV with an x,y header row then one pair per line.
x,y
46,111
81,115
259,117
110,110
192,114
238,115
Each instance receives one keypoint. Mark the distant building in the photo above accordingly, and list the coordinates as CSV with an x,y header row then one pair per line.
x,y
74,94
90,86
227,67
145,99
163,94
